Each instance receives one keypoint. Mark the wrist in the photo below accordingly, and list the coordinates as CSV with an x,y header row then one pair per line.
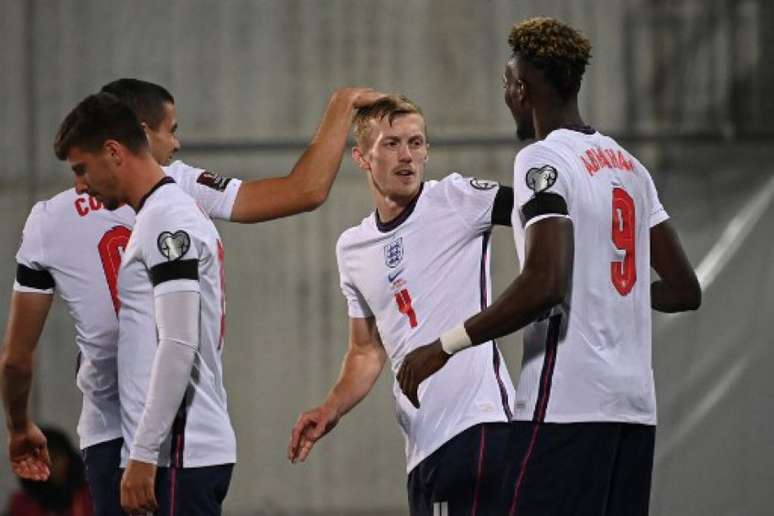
x,y
18,426
455,340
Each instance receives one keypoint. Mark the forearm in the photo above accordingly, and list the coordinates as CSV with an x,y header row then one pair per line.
x,y
316,169
169,380
177,320
25,324
359,373
668,299
16,386
524,301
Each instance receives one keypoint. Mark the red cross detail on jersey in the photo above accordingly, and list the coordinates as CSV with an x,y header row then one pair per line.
x,y
403,298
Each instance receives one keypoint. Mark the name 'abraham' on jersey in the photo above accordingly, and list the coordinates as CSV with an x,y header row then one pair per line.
x,y
590,358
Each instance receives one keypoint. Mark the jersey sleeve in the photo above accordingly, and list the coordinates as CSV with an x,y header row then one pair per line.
x,y
657,212
32,273
542,184
214,193
473,199
357,307
172,247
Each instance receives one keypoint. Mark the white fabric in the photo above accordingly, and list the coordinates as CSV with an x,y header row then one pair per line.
x,y
438,258
455,340
177,319
79,243
602,371
206,437
216,203
63,235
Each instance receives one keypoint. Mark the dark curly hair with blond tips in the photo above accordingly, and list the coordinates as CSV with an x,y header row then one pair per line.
x,y
390,107
556,49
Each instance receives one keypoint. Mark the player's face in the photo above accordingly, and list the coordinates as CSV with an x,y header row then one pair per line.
x,y
95,174
397,155
516,100
163,140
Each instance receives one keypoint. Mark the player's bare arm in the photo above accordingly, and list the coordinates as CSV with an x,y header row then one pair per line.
x,y
307,186
360,369
27,448
543,283
678,288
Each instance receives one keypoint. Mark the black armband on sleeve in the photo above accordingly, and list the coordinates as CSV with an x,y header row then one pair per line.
x,y
503,206
40,280
544,203
174,270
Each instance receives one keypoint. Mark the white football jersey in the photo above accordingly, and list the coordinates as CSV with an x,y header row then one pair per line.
x,y
73,245
590,358
174,248
419,276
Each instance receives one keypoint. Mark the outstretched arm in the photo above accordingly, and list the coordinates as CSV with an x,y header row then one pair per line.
x,y
27,448
308,184
360,369
678,289
543,283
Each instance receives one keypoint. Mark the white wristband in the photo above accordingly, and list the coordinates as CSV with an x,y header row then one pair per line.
x,y
455,340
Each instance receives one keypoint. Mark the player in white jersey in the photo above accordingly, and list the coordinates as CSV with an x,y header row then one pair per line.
x,y
588,226
171,316
72,244
413,268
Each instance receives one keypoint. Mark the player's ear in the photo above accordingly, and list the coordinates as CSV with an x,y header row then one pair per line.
x,y
359,159
113,151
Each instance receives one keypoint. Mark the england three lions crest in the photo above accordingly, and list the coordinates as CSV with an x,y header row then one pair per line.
x,y
393,253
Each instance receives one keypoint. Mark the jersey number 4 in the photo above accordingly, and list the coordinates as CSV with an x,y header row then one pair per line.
x,y
111,246
623,273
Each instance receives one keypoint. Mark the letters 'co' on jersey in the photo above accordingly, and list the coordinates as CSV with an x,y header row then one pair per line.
x,y
72,245
590,359
419,276
174,248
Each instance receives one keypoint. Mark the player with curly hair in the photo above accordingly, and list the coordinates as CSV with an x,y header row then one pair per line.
x,y
588,226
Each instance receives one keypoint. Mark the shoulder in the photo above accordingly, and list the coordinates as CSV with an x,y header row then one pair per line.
x,y
179,168
170,206
356,234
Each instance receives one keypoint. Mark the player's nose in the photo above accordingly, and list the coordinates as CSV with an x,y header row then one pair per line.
x,y
81,186
404,154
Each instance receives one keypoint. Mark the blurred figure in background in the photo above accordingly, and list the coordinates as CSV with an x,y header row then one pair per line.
x,y
65,493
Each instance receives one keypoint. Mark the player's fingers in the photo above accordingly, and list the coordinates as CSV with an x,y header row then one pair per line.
x,y
415,396
42,454
295,434
306,449
150,503
319,428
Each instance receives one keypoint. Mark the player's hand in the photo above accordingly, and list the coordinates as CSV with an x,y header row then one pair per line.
x,y
418,366
311,426
28,453
138,495
360,97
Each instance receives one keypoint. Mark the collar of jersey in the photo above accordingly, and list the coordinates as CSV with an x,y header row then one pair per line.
x,y
386,227
585,129
164,181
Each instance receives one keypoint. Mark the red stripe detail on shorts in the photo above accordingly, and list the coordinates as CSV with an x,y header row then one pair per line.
x,y
549,360
172,490
523,470
480,473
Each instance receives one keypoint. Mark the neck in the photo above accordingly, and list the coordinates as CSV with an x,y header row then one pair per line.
x,y
389,207
552,115
143,176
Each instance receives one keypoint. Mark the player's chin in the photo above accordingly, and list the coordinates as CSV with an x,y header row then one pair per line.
x,y
111,204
